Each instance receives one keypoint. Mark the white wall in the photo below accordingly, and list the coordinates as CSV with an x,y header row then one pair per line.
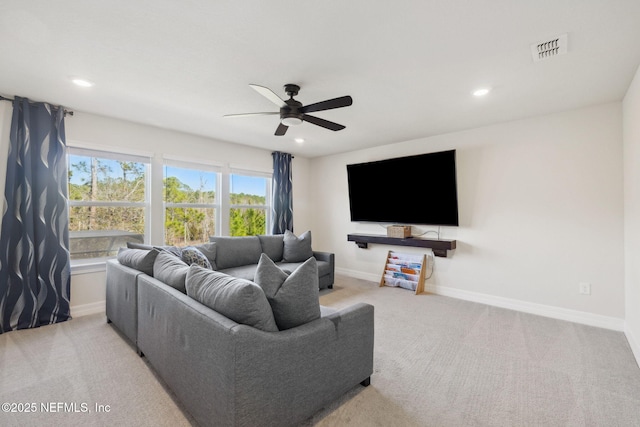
x,y
541,210
631,135
88,287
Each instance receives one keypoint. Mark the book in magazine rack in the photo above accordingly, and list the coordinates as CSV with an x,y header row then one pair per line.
x,y
404,271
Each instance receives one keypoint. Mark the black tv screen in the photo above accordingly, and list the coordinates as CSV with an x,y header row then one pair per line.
x,y
417,189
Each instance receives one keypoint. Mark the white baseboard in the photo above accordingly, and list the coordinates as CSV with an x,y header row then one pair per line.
x,y
634,343
359,275
576,316
87,309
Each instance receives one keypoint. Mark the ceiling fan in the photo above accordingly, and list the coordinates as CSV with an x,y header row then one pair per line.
x,y
293,113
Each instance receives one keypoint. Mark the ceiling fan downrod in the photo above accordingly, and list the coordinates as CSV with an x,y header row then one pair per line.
x,y
291,115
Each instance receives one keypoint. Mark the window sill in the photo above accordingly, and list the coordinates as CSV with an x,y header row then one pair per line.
x,y
88,267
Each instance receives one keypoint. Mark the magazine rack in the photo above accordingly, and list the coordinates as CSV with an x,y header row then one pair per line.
x,y
404,271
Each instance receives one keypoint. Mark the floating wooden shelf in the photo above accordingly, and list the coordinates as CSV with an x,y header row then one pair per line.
x,y
439,247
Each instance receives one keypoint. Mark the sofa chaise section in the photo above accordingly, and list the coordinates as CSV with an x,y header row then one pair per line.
x,y
229,374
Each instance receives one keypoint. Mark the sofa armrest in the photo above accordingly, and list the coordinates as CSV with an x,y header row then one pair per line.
x,y
324,256
121,299
327,280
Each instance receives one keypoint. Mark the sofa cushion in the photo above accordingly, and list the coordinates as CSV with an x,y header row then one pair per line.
x,y
240,300
192,255
273,246
297,249
236,251
293,297
247,272
136,245
171,270
324,267
140,259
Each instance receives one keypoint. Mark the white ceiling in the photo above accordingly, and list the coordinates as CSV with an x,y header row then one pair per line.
x,y
410,66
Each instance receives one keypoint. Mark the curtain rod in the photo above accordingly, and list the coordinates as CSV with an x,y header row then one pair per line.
x,y
66,112
274,152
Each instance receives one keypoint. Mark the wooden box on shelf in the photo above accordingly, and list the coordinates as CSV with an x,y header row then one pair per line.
x,y
404,271
400,231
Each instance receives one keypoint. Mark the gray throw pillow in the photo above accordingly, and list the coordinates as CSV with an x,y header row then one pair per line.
x,y
293,298
172,250
140,259
297,249
240,300
209,250
170,270
192,255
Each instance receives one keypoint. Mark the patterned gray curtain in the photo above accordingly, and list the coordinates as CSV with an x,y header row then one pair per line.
x,y
34,240
282,195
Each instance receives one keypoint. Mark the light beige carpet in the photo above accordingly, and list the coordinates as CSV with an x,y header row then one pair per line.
x,y
446,362
438,362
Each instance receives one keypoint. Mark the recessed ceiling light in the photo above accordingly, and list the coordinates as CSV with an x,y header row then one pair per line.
x,y
481,92
82,82
299,140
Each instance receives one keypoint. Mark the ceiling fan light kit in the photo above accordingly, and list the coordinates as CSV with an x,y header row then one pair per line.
x,y
293,113
291,120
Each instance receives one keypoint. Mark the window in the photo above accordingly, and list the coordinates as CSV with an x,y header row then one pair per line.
x,y
108,202
250,204
191,204
111,193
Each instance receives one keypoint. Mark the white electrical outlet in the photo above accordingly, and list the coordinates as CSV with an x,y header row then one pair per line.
x,y
584,288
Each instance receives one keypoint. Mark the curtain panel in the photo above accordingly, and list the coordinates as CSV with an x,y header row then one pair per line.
x,y
34,238
282,193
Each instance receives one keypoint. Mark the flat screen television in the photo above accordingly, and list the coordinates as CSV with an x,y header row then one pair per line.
x,y
417,189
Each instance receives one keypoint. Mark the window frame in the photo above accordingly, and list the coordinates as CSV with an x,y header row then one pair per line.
x,y
216,206
154,205
268,206
73,150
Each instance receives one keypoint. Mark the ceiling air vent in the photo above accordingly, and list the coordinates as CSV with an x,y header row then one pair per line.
x,y
549,48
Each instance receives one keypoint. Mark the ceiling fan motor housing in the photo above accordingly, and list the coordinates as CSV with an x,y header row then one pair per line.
x,y
291,114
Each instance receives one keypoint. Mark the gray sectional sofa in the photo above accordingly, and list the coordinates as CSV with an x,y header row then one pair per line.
x,y
226,372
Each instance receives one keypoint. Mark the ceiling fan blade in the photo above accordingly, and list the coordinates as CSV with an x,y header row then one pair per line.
x,y
343,101
250,114
269,94
281,130
322,122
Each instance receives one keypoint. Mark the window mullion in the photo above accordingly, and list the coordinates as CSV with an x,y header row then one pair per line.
x,y
106,204
242,206
191,205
